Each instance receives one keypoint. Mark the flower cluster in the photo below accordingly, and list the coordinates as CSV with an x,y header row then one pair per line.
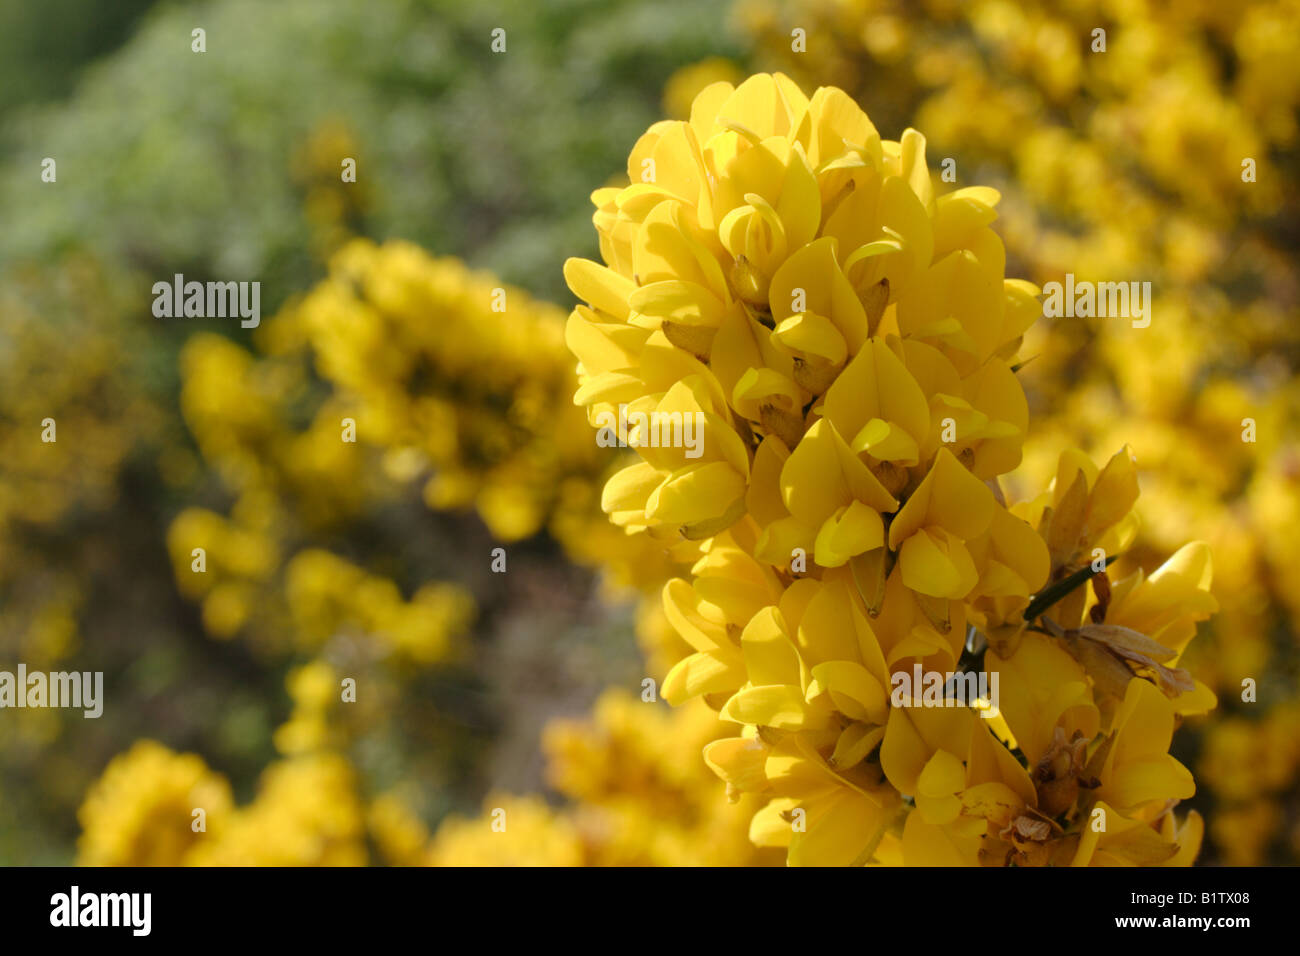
x,y
1090,148
634,801
145,811
849,342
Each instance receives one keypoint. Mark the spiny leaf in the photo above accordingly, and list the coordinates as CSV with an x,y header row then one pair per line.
x,y
1059,589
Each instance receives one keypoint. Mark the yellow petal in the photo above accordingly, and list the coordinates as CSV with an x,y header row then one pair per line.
x,y
600,286
770,655
853,690
851,531
840,827
937,788
696,492
1113,494
712,673
937,564
629,488
781,706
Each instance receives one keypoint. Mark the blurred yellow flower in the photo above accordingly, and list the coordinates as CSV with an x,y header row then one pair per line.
x,y
141,812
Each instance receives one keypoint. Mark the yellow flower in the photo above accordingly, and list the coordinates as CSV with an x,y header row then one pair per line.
x,y
144,811
141,812
1137,769
514,831
327,595
849,344
306,813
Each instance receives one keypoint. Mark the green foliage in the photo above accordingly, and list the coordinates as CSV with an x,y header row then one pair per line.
x,y
170,160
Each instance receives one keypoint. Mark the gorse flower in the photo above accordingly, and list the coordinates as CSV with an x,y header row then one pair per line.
x,y
850,342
